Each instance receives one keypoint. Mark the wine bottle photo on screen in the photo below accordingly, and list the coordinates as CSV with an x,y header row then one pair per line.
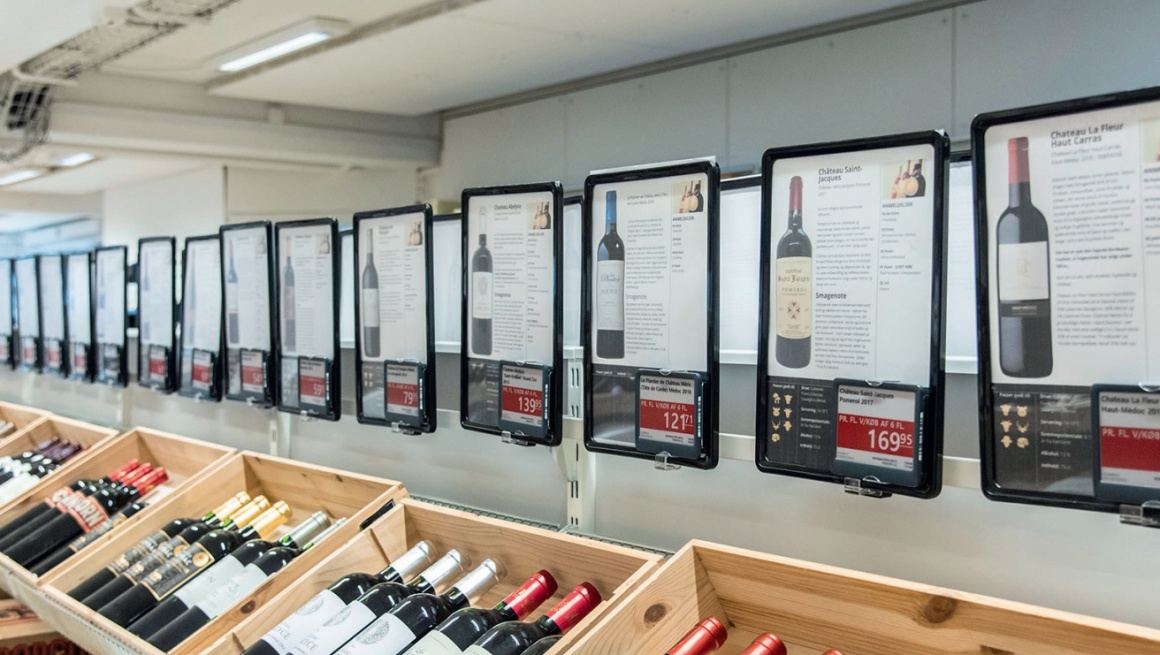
x,y
705,637
610,286
916,186
232,326
698,202
794,288
370,301
1023,265
481,297
289,323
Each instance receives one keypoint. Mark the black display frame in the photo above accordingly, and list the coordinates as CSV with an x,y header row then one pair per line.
x,y
271,362
38,357
217,377
555,429
122,379
65,369
334,383
710,443
930,455
170,383
89,374
11,338
429,410
979,126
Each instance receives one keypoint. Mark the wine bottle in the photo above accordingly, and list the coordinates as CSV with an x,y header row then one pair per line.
x,y
30,475
219,575
415,616
542,646
238,588
62,554
330,601
462,628
162,581
610,286
167,550
81,518
916,187
481,290
794,287
1024,263
54,506
766,644
122,563
370,301
289,322
380,599
705,637
514,637
233,326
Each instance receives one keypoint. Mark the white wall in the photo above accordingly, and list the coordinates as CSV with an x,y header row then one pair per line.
x,y
184,205
281,195
931,71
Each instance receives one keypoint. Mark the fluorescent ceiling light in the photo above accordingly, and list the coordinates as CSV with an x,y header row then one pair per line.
x,y
281,43
23,175
76,160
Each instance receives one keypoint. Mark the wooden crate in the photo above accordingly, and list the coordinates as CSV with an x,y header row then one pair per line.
x,y
38,431
305,487
20,416
814,608
185,459
522,550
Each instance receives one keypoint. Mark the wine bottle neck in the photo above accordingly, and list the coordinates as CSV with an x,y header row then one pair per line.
x,y
795,219
1019,194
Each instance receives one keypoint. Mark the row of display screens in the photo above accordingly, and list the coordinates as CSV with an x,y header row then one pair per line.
x,y
852,311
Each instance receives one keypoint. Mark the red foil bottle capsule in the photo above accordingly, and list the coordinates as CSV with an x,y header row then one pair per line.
x,y
769,644
706,637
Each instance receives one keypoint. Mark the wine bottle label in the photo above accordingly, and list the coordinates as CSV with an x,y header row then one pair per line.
x,y
58,496
1023,272
292,630
209,582
610,295
388,635
337,630
475,650
88,514
163,580
435,643
97,532
232,298
236,589
136,553
794,293
481,294
161,554
370,308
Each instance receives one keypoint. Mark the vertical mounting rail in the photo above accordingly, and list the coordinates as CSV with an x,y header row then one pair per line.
x,y
577,464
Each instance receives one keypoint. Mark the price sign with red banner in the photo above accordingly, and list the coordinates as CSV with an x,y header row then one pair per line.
x,y
878,431
254,374
404,392
1127,423
313,384
669,415
158,366
525,399
201,376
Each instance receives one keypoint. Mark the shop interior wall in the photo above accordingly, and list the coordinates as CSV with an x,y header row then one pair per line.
x,y
932,71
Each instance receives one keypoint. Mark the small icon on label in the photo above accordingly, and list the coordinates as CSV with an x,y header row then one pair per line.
x,y
1006,442
1006,425
1022,428
777,411
201,559
1021,411
1023,442
775,437
788,412
776,398
788,398
1006,409
788,426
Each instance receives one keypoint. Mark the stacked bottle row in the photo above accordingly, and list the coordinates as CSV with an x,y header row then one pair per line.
x,y
710,635
398,611
23,472
189,571
73,517
6,427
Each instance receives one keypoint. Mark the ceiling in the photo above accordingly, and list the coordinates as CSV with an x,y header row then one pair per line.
x,y
15,222
390,65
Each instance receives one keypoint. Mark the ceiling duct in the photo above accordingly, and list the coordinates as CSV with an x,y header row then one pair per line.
x,y
26,91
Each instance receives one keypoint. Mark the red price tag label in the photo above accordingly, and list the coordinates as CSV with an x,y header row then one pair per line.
x,y
876,427
202,365
668,410
158,366
312,382
29,352
522,395
4,348
53,355
1130,439
403,389
253,372
80,358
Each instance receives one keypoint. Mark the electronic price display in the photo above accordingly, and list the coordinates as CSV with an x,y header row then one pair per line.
x,y
850,356
54,323
1068,240
28,318
201,319
651,300
111,291
247,274
307,297
513,309
157,314
79,310
393,273
7,316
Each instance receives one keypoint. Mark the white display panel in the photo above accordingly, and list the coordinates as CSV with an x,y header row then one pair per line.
x,y
346,288
962,340
109,315
6,315
51,278
249,318
201,318
28,313
448,282
155,266
573,272
79,299
740,272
